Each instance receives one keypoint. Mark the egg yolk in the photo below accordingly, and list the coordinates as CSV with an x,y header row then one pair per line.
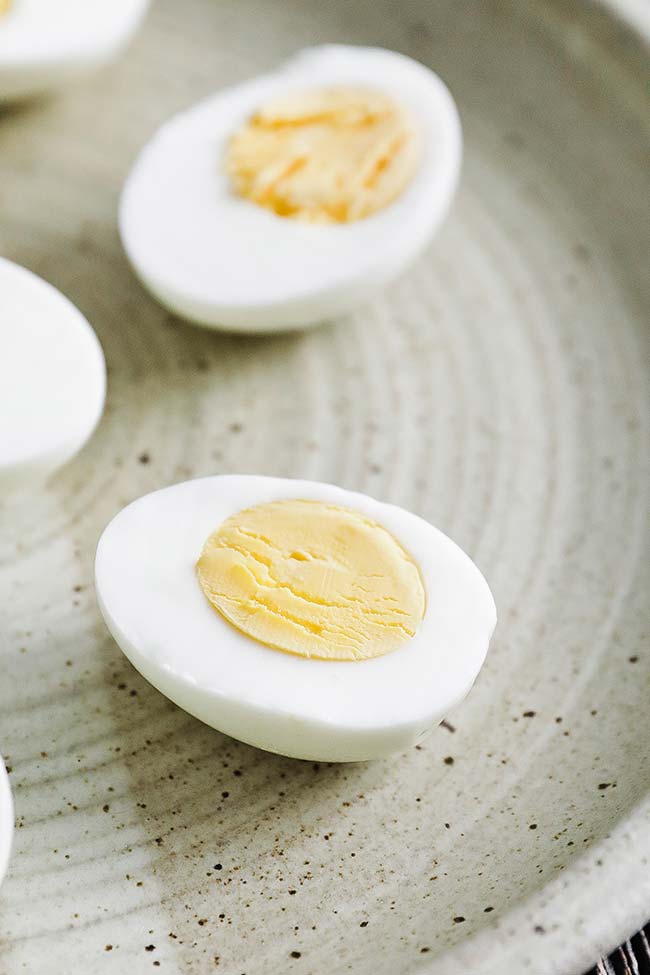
x,y
4,6
327,156
313,579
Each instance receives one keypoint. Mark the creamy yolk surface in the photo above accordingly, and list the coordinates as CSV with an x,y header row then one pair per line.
x,y
313,579
4,6
330,155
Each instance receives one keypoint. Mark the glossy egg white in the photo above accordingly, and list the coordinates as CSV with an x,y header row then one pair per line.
x,y
6,819
45,44
224,262
52,378
304,708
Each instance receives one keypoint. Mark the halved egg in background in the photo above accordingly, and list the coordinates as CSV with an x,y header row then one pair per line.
x,y
291,198
45,44
52,378
296,616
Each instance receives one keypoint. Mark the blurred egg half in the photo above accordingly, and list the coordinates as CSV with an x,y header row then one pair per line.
x,y
291,198
45,44
6,819
52,378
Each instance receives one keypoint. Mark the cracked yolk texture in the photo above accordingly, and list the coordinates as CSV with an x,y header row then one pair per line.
x,y
313,579
327,156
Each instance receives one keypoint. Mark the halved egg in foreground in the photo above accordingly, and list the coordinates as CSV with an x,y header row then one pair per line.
x,y
290,198
304,619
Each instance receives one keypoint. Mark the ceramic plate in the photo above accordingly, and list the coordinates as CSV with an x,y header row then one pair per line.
x,y
500,389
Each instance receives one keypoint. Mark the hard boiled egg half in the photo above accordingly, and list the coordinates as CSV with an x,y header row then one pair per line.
x,y
290,198
296,616
6,819
52,378
47,43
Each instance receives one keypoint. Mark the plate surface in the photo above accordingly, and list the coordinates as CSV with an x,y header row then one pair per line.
x,y
500,389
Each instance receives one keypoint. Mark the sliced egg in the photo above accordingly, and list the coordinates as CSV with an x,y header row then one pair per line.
x,y
52,378
296,616
46,43
6,819
290,198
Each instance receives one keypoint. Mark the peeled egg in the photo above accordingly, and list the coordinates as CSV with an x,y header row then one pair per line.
x,y
52,378
296,616
6,819
290,198
46,43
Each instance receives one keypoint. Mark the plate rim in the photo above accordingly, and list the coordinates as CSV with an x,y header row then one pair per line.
x,y
607,921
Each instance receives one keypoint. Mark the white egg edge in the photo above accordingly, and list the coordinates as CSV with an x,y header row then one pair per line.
x,y
39,466
6,820
24,76
287,731
299,312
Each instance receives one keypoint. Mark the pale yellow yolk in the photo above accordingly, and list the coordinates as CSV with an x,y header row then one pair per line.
x,y
313,579
332,155
4,6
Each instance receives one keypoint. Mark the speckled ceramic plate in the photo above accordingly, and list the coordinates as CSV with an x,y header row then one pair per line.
x,y
500,389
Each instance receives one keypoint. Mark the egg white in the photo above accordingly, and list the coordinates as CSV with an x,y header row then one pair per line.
x,y
6,819
224,262
52,378
47,43
304,708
